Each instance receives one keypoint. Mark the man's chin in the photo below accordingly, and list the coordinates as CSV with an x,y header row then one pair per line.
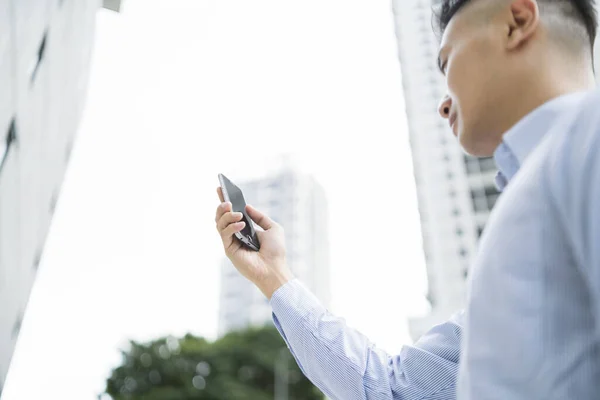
x,y
474,147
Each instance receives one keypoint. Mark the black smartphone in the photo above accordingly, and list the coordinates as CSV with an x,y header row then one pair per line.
x,y
234,195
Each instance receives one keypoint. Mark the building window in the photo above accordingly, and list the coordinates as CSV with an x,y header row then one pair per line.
x,y
449,175
35,66
459,231
479,165
487,164
465,273
491,200
491,194
17,326
53,202
456,212
471,164
473,168
37,260
463,252
479,201
479,231
6,144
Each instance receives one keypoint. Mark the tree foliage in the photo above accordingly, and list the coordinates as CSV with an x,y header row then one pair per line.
x,y
239,366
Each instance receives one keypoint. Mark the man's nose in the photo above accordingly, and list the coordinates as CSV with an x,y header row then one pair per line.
x,y
444,107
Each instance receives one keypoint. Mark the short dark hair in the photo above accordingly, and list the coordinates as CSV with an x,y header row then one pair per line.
x,y
582,12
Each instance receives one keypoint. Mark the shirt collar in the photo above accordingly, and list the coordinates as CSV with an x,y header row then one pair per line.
x,y
520,140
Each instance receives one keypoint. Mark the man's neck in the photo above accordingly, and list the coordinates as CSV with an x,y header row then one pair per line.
x,y
541,89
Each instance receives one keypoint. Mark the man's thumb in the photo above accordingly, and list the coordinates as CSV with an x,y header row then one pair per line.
x,y
261,219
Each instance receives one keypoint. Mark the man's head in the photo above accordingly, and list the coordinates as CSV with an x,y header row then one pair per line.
x,y
504,58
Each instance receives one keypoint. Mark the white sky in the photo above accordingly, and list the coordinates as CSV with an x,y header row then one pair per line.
x,y
182,90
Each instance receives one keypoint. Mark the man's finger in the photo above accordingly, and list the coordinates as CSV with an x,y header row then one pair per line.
x,y
227,240
227,219
220,193
227,233
222,209
261,219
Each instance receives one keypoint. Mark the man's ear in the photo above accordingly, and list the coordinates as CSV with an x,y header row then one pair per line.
x,y
524,19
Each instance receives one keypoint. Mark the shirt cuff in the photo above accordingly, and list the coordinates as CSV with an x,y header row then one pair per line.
x,y
293,303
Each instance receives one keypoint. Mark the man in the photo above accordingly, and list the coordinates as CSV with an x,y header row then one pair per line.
x,y
519,76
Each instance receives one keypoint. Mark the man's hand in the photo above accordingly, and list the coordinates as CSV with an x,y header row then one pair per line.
x,y
266,268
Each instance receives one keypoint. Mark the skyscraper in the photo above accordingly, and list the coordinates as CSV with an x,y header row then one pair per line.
x,y
45,53
298,203
455,192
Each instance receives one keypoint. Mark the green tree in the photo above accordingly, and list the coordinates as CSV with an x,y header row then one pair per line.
x,y
239,366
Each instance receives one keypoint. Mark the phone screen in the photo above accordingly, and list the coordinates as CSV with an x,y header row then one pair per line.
x,y
234,194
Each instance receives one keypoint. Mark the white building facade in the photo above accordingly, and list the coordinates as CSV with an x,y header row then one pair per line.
x,y
45,53
298,203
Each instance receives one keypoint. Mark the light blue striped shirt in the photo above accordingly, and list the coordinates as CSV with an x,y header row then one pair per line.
x,y
531,330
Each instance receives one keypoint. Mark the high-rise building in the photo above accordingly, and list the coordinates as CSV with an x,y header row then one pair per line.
x,y
45,53
297,202
455,192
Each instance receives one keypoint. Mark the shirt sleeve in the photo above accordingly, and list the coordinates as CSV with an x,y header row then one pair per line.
x,y
345,365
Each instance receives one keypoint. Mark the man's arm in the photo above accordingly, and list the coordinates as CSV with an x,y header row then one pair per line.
x,y
339,360
345,365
